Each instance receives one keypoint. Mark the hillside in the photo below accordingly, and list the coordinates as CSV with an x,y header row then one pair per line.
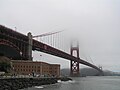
x,y
89,72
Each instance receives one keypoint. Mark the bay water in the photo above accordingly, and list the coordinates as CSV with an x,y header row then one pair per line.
x,y
84,83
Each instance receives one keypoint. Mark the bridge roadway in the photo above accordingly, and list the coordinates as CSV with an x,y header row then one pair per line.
x,y
21,41
53,51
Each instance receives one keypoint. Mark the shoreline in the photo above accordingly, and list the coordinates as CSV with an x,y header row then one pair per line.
x,y
21,83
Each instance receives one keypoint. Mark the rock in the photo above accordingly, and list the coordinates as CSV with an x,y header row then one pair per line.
x,y
20,83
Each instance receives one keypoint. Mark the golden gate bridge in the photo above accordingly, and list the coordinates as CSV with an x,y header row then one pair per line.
x,y
19,46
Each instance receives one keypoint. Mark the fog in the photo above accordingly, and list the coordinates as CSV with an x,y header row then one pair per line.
x,y
94,23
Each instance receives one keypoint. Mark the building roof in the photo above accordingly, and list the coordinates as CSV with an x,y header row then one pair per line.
x,y
28,61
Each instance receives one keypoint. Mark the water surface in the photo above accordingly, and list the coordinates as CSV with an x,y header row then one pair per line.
x,y
86,83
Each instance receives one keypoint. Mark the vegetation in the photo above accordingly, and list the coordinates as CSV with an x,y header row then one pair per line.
x,y
5,67
1,54
5,64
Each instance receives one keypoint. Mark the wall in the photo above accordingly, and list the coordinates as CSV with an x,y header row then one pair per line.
x,y
41,68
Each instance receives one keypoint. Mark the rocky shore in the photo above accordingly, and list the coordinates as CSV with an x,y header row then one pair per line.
x,y
20,83
64,79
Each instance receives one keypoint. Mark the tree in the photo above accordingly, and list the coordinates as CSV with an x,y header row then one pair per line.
x,y
5,67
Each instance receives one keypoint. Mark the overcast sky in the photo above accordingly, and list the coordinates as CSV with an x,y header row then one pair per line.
x,y
95,23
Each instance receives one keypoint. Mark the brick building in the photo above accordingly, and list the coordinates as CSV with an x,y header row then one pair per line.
x,y
41,68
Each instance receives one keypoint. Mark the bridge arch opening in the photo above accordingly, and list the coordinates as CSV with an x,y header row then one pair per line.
x,y
9,50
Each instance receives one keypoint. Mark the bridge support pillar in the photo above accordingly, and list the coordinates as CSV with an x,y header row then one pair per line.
x,y
74,65
30,46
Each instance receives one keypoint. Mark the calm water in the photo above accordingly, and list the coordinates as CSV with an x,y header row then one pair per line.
x,y
87,83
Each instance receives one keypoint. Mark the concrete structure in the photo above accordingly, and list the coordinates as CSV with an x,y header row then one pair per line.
x,y
30,46
40,68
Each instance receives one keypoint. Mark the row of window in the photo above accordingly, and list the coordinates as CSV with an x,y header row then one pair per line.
x,y
15,66
31,70
26,66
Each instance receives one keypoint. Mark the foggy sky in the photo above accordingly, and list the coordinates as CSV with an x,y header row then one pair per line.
x,y
95,23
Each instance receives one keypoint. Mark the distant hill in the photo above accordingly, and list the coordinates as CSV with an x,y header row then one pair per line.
x,y
89,72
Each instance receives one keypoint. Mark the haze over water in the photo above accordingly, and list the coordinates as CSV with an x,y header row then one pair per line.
x,y
86,83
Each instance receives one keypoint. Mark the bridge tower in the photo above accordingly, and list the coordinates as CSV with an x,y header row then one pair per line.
x,y
29,46
101,73
74,65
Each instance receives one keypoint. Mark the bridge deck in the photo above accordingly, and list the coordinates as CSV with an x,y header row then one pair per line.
x,y
53,51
